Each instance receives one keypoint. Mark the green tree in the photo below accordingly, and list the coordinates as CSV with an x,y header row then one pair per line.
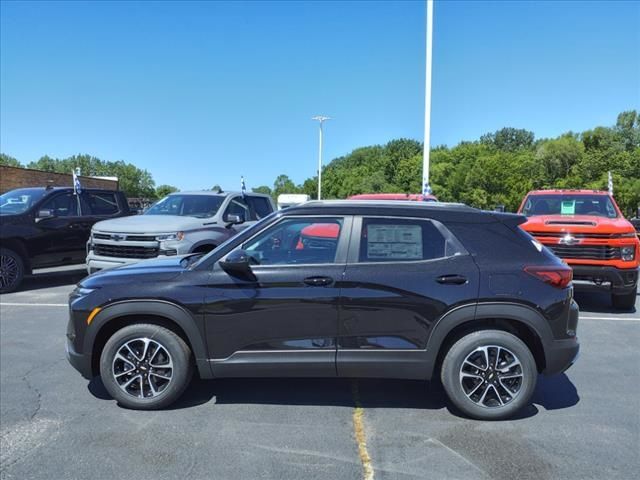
x,y
262,189
134,181
283,184
509,139
164,190
8,161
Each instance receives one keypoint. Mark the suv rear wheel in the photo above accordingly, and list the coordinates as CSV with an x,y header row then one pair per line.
x,y
625,301
11,270
489,374
145,366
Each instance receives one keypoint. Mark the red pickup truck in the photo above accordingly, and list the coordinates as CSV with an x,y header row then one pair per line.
x,y
587,230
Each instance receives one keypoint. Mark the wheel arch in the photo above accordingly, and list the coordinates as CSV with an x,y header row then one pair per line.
x,y
520,320
203,246
20,248
166,314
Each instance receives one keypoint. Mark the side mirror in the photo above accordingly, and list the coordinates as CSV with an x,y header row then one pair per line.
x,y
42,214
237,262
233,219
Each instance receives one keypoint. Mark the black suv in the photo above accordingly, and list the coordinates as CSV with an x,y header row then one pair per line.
x,y
48,227
338,289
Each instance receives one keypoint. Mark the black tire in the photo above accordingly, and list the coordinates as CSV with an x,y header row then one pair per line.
x,y
491,379
11,270
625,301
164,392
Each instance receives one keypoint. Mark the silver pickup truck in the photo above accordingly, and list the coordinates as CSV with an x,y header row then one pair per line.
x,y
180,223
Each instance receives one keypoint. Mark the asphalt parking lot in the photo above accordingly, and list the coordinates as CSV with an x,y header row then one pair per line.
x,y
584,424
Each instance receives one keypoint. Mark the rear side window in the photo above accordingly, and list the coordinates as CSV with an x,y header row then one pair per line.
x,y
401,239
102,203
260,207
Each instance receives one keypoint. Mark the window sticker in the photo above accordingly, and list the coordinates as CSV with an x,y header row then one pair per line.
x,y
401,242
568,207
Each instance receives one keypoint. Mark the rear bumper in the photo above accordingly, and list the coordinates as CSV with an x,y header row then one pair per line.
x,y
561,354
599,278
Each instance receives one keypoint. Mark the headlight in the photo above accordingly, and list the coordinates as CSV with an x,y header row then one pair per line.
x,y
81,291
170,236
628,253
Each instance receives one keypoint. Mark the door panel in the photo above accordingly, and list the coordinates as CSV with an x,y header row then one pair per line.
x,y
266,319
282,318
389,306
63,237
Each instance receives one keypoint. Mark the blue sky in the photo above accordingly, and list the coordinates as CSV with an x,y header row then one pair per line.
x,y
201,93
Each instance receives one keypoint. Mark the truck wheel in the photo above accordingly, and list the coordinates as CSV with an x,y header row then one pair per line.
x,y
625,301
145,367
11,270
489,374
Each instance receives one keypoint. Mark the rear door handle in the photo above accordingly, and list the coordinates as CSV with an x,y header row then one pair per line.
x,y
452,279
318,281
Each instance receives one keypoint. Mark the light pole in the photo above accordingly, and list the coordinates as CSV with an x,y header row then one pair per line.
x,y
426,188
320,119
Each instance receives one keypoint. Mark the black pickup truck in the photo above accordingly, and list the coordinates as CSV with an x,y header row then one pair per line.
x,y
48,227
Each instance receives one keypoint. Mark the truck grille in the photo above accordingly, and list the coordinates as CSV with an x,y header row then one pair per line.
x,y
130,238
586,252
122,251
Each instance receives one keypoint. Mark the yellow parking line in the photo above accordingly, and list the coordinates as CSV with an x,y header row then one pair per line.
x,y
359,433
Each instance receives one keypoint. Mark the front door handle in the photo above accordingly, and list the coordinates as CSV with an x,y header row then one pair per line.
x,y
452,279
318,281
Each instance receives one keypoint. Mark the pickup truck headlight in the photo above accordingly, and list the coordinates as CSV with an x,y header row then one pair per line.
x,y
628,253
170,236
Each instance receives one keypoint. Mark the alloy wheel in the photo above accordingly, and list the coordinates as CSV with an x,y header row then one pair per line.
x,y
9,270
491,376
142,368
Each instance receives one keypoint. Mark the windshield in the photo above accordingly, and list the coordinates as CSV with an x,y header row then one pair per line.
x,y
19,201
199,206
568,204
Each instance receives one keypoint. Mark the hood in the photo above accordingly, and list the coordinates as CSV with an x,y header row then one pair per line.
x,y
154,270
577,224
151,224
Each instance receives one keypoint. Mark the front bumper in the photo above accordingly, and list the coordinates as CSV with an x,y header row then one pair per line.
x,y
79,361
95,263
599,278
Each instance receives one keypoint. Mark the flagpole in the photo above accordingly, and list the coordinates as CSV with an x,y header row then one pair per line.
x,y
426,188
76,190
320,119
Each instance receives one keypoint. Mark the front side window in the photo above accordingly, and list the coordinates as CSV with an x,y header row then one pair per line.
x,y
238,206
64,205
569,204
404,240
297,241
199,206
102,203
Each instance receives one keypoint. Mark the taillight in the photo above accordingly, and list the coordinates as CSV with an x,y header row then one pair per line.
x,y
559,276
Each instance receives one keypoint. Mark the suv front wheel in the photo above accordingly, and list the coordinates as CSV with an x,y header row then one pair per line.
x,y
489,374
145,366
11,270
